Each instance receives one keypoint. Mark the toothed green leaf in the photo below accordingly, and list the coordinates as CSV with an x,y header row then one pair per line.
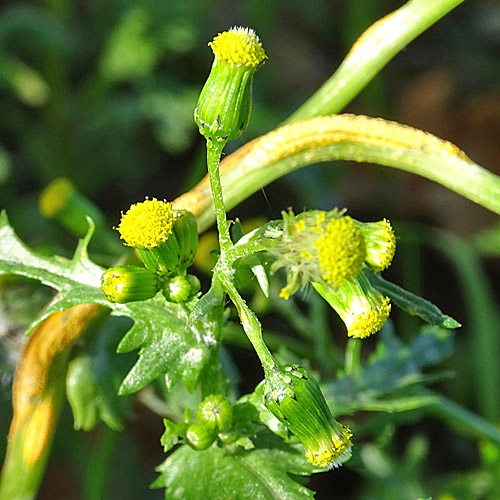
x,y
167,346
237,473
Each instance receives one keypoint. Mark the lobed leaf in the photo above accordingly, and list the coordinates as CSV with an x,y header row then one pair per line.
x,y
218,473
168,347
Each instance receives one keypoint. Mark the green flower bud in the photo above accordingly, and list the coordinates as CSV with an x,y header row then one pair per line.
x,y
194,282
215,412
186,234
199,437
180,288
294,397
61,201
129,283
148,227
225,101
228,437
81,390
380,243
363,309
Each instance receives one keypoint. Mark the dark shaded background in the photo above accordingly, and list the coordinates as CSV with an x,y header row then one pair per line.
x,y
102,92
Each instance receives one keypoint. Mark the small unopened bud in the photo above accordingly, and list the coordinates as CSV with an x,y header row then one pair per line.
x,y
180,288
225,101
293,396
199,436
216,413
129,283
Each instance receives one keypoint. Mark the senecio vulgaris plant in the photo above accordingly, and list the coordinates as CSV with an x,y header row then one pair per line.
x,y
238,447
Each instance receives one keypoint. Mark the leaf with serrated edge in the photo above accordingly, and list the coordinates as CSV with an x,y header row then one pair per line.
x,y
77,280
167,347
241,474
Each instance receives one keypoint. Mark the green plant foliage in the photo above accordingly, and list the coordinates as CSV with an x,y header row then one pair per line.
x,y
411,303
235,473
92,388
77,280
103,94
168,347
391,377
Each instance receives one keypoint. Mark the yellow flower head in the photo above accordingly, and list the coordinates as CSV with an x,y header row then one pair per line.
x,y
317,246
365,318
294,397
341,250
225,101
332,451
238,46
147,224
363,309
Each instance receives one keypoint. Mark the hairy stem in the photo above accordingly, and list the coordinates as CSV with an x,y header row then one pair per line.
x,y
251,325
214,152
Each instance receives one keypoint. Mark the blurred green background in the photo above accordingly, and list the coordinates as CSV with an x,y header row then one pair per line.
x,y
103,92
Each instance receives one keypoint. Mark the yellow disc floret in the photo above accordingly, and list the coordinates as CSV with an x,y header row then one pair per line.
x,y
147,224
238,46
366,319
380,242
363,309
331,452
341,250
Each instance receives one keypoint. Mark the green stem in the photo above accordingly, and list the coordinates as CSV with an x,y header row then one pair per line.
x,y
275,340
352,354
214,152
347,137
98,470
375,48
250,323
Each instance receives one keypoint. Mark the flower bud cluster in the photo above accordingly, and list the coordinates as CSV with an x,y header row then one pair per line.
x,y
329,250
166,241
214,421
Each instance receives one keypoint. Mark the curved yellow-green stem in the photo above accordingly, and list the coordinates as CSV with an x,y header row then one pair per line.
x,y
343,137
37,395
371,52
